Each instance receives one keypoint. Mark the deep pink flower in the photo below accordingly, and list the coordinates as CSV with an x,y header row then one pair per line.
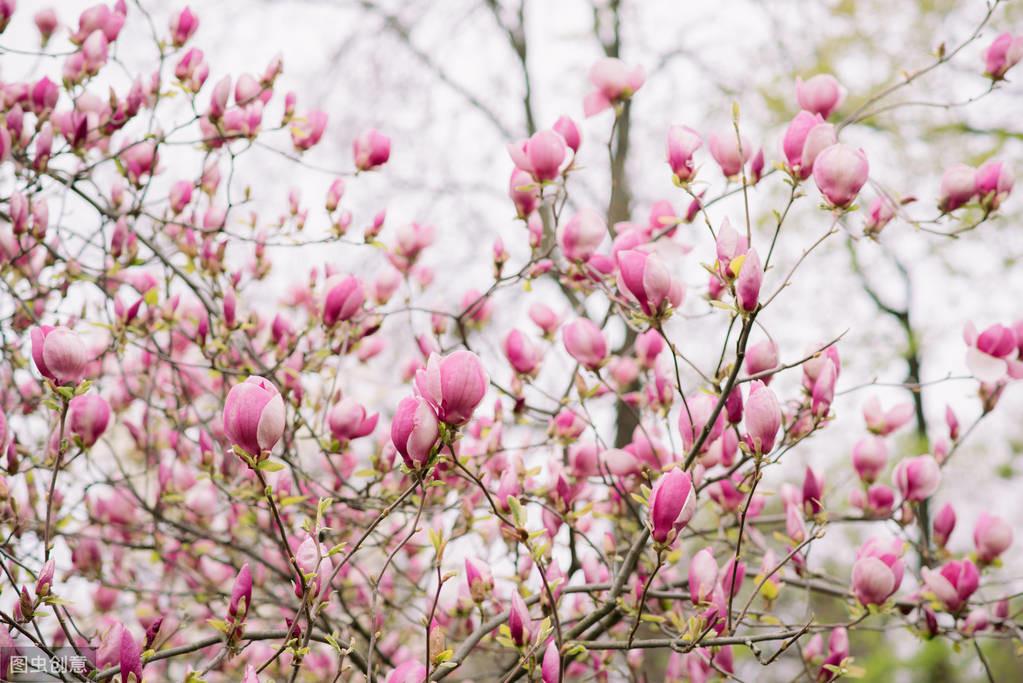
x,y
87,418
414,431
672,504
453,385
59,354
820,94
254,415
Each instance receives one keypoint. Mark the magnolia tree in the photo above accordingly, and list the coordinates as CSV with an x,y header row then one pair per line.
x,y
198,486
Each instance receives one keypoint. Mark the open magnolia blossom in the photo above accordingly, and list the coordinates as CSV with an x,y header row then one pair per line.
x,y
591,425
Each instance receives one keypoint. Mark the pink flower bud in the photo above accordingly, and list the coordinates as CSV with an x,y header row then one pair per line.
x,y
343,299
479,579
683,142
672,504
348,420
724,147
519,622
585,342
44,96
569,131
371,149
869,457
183,25
992,536
1004,52
545,318
218,100
953,584
645,279
523,355
524,193
550,668
414,431
763,418
994,181
541,155
747,284
453,385
46,23
885,422
813,491
59,354
761,357
254,416
819,138
879,214
917,478
958,187
733,576
820,94
703,576
794,141
952,422
824,390
87,418
44,581
872,581
613,82
648,347
944,524
840,171
580,236
130,658
241,595
693,420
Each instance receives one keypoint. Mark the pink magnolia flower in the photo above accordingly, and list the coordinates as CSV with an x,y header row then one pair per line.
x,y
820,94
672,504
724,147
453,385
59,354
748,281
343,299
613,82
1004,52
644,278
87,418
917,478
880,212
139,160
519,621
129,657
580,236
183,25
541,155
703,576
840,171
992,354
348,420
569,131
994,181
953,584
522,353
254,415
371,149
46,23
763,418
823,392
761,357
585,342
878,571
944,524
550,667
479,579
414,431
794,141
869,457
884,422
241,595
992,536
683,142
958,187
524,193
545,318
306,133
